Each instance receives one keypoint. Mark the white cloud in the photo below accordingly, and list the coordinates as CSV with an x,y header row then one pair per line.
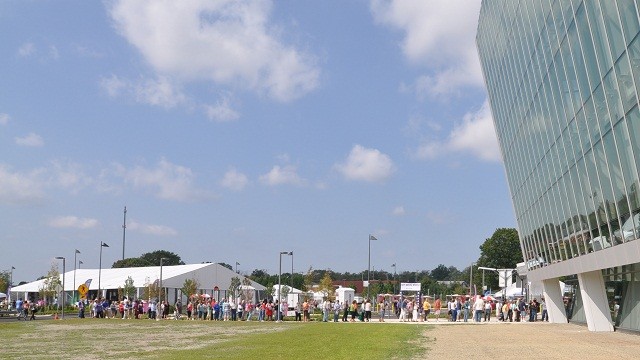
x,y
477,135
73,222
439,218
222,111
234,180
19,188
474,135
158,92
439,35
150,229
282,176
32,140
68,175
366,165
53,52
399,211
4,118
27,49
172,182
228,42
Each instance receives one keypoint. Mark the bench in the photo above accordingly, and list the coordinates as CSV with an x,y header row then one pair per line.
x,y
8,312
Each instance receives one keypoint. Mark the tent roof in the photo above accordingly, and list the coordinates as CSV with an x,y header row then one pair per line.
x,y
208,275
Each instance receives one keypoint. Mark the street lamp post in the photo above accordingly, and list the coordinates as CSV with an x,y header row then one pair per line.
x,y
75,255
102,244
471,278
160,289
237,263
10,284
80,263
394,277
291,253
64,270
279,302
371,237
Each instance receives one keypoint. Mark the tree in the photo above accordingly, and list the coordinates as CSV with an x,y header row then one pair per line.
x,y
155,256
247,291
500,251
326,286
129,289
234,286
131,262
151,290
308,280
190,287
5,277
441,273
50,283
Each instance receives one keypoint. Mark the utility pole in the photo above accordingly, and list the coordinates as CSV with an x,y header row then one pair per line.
x,y
124,230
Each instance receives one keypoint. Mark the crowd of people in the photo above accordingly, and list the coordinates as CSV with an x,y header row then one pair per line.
x,y
407,309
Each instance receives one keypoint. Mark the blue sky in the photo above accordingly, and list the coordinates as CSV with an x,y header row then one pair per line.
x,y
235,130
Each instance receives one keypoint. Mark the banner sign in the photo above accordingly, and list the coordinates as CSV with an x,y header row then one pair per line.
x,y
410,286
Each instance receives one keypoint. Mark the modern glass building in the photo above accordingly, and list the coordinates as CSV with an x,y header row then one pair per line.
x,y
563,79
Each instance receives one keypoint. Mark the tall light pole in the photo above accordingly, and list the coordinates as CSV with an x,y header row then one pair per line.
x,y
64,270
10,283
279,305
102,244
471,278
237,263
160,290
291,253
75,256
80,263
371,237
394,277
124,230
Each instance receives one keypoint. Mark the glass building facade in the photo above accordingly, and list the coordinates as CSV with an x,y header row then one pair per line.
x,y
563,80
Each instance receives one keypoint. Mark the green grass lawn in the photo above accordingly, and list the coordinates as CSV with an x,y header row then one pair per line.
x,y
135,339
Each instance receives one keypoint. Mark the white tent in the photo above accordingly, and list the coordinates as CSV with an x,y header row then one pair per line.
x,y
2,295
211,277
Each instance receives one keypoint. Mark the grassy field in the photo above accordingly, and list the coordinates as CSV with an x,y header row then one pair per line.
x,y
139,339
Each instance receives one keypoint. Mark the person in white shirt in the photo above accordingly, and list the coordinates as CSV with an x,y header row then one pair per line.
x,y
478,307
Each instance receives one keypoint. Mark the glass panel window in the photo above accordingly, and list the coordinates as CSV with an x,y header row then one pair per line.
x,y
587,46
634,59
629,18
613,97
633,122
625,83
614,29
599,36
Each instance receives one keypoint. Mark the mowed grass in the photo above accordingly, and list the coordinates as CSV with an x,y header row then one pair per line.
x,y
139,339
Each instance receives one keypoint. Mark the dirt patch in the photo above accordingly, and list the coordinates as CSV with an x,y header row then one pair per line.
x,y
124,339
527,341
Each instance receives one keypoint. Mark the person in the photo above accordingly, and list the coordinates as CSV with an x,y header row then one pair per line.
x,y
426,309
298,310
478,308
414,310
336,310
354,310
19,308
33,309
533,310
345,309
522,310
382,309
305,310
81,309
403,310
487,310
543,309
437,305
466,307
241,305
326,306
367,310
